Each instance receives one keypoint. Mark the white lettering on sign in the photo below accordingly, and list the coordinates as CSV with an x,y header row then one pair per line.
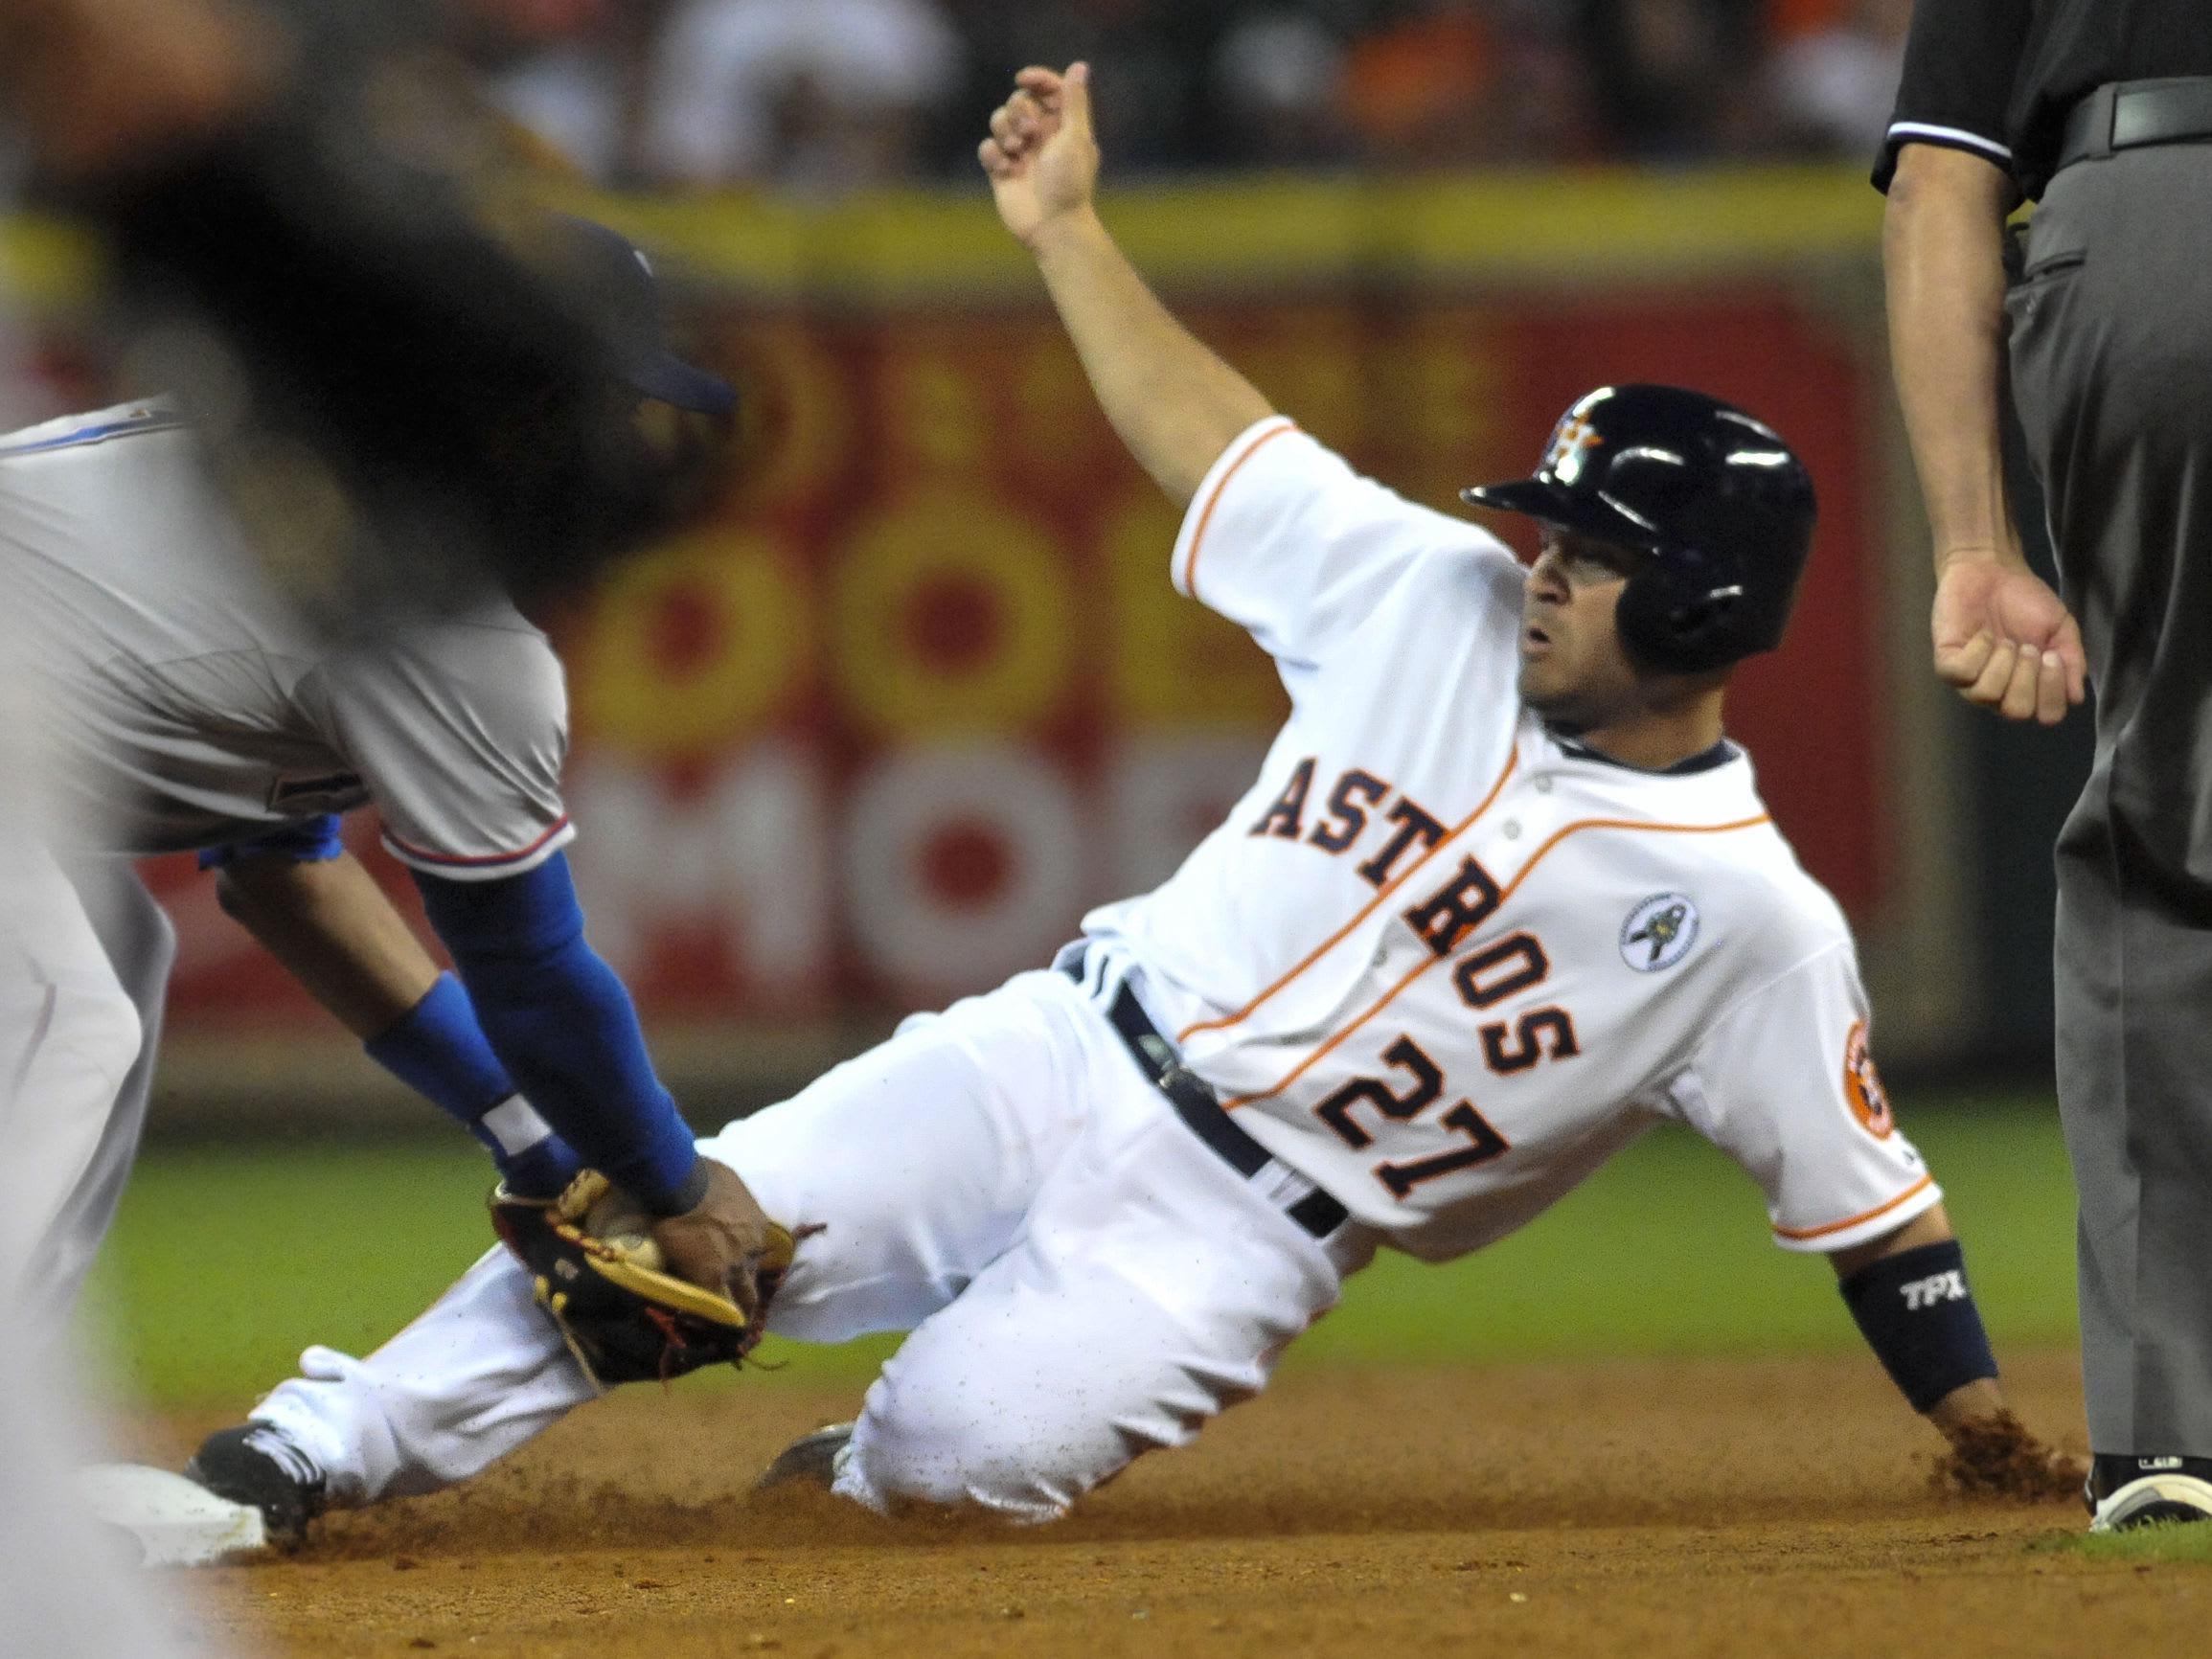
x,y
743,856
964,862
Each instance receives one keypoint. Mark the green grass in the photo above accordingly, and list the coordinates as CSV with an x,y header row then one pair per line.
x,y
225,1262
2158,1545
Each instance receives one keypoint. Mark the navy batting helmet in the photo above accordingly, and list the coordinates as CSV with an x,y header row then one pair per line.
x,y
1720,501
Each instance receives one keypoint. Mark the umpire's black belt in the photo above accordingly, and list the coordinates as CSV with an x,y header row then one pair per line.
x,y
2130,114
1194,1102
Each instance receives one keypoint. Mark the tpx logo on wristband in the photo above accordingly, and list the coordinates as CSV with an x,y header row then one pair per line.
x,y
1920,1293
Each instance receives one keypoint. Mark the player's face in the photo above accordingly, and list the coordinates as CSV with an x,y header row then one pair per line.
x,y
1573,668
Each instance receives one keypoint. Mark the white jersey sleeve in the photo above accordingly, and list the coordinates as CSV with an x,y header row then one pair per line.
x,y
1784,1082
1286,539
460,730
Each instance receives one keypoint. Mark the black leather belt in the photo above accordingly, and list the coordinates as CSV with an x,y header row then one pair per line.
x,y
1194,1103
2130,114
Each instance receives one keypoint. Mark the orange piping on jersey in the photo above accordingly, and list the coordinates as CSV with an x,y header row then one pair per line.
x,y
1920,1186
1512,760
1512,887
1206,513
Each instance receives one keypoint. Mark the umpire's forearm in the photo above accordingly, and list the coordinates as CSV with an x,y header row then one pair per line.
x,y
1172,400
1943,263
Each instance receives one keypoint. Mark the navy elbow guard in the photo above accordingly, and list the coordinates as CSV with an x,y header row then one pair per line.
x,y
1917,1312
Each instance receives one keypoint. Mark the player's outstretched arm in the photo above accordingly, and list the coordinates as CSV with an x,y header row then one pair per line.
x,y
561,1022
1174,404
330,925
1908,1292
314,908
1932,1344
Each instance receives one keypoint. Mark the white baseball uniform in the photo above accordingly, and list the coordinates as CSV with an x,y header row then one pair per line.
x,y
183,704
1438,963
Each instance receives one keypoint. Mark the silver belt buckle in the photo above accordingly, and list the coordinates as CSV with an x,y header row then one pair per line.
x,y
1281,1185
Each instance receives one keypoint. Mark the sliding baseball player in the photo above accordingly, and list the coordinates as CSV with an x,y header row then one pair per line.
x,y
1503,897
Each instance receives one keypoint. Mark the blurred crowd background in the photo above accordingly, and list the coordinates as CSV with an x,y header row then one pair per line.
x,y
916,693
823,97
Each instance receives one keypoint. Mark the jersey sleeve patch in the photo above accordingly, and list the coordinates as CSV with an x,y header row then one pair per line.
x,y
1862,1089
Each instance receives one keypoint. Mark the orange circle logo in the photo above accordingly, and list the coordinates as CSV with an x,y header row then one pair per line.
x,y
1862,1087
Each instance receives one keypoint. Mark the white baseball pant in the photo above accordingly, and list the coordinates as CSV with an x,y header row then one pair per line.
x,y
1084,1279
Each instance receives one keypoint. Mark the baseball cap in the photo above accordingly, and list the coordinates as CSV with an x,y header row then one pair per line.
x,y
615,282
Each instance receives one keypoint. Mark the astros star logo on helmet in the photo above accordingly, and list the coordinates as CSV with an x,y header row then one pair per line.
x,y
1572,439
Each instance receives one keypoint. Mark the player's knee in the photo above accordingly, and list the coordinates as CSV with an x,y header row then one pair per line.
x,y
888,1476
953,1452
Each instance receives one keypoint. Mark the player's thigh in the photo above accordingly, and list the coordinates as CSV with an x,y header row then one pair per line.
x,y
68,1036
1097,1338
918,1160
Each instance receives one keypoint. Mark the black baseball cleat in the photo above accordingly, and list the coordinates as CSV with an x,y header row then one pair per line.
x,y
253,1463
814,1458
2126,1492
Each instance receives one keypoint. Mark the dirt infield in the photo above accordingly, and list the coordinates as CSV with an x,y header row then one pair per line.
x,y
1656,1508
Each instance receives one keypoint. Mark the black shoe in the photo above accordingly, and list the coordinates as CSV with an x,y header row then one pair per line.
x,y
2125,1492
253,1463
811,1458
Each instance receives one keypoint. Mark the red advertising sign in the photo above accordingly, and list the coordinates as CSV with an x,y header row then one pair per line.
x,y
881,734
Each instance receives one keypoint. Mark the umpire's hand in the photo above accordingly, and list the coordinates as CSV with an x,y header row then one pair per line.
x,y
2004,639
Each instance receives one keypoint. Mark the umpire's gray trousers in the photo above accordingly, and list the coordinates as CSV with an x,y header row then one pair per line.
x,y
2111,359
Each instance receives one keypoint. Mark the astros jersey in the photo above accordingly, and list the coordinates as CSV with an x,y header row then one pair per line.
x,y
193,708
1444,964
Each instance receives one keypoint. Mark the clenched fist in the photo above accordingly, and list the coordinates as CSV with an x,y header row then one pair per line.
x,y
1041,156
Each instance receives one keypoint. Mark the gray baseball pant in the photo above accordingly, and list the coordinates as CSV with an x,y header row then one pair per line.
x,y
2111,361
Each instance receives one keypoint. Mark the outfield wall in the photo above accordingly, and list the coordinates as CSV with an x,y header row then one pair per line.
x,y
876,736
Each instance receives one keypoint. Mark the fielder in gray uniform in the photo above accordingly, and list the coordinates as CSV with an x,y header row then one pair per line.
x,y
191,708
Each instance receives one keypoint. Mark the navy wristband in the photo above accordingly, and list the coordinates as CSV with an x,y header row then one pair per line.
x,y
1917,1312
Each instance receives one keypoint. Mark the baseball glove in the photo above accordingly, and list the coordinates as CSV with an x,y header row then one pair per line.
x,y
596,1269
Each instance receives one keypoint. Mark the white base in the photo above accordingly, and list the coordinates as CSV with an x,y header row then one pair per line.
x,y
2138,1495
175,1522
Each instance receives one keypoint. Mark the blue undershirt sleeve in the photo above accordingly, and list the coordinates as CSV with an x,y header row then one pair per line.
x,y
561,1022
304,841
438,1049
